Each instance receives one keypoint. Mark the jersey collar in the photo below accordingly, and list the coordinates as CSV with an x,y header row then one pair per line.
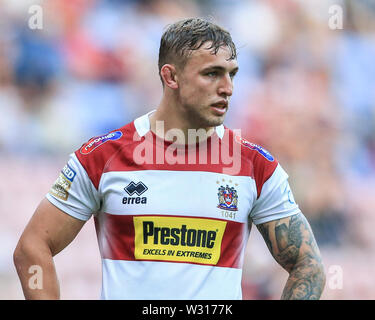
x,y
142,125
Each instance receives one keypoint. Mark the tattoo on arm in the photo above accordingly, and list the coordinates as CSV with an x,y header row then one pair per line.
x,y
292,244
264,231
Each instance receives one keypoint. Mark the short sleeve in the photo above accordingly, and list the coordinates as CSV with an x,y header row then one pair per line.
x,y
276,199
73,192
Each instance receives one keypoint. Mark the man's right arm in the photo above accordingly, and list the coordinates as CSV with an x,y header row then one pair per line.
x,y
49,231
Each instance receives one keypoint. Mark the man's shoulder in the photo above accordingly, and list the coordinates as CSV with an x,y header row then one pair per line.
x,y
94,154
250,150
260,161
107,143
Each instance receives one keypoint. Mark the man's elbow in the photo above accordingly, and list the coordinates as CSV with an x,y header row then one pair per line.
x,y
320,274
29,251
315,274
21,253
309,269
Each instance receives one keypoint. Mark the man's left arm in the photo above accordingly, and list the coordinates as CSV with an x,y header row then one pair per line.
x,y
292,244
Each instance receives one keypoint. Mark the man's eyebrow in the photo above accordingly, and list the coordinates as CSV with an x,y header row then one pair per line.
x,y
219,68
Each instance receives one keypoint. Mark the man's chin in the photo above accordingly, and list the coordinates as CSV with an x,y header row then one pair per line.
x,y
215,121
208,120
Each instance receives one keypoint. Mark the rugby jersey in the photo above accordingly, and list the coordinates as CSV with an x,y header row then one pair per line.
x,y
172,220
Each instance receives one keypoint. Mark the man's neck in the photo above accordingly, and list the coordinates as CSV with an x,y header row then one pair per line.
x,y
167,123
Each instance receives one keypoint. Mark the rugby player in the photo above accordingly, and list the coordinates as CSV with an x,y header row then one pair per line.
x,y
173,217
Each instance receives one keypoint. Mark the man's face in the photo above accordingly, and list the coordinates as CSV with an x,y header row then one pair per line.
x,y
205,86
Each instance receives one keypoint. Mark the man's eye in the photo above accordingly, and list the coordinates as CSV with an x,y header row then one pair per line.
x,y
212,74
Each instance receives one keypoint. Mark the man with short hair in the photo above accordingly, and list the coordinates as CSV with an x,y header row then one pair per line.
x,y
174,193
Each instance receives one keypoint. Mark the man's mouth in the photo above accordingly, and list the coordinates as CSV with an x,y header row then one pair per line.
x,y
220,107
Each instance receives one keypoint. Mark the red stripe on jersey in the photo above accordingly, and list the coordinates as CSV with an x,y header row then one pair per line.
x,y
263,171
232,245
151,153
133,153
116,237
95,161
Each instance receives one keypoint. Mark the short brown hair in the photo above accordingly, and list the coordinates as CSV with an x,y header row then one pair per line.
x,y
180,38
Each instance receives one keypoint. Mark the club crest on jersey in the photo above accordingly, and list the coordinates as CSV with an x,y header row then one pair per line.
x,y
228,198
93,143
255,147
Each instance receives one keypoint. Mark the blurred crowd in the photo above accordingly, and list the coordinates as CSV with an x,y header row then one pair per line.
x,y
305,91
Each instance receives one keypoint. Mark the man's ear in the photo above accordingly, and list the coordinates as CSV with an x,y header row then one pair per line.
x,y
169,76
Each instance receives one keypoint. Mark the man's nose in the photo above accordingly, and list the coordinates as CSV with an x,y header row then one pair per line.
x,y
226,86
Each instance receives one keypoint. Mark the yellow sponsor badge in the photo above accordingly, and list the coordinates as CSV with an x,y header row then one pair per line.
x,y
60,188
182,239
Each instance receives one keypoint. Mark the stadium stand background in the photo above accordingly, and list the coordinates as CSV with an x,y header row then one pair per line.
x,y
304,91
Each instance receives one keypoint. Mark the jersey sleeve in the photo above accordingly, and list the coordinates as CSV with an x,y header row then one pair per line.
x,y
276,199
73,192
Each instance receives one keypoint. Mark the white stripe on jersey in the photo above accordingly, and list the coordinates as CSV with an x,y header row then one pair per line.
x,y
166,280
187,193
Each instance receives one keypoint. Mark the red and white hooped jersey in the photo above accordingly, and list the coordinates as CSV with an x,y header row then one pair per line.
x,y
169,225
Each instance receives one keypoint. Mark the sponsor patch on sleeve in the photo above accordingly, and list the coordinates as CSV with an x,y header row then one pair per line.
x,y
68,173
60,188
255,147
94,143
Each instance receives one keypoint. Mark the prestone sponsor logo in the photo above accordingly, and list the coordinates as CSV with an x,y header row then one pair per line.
x,y
179,239
178,236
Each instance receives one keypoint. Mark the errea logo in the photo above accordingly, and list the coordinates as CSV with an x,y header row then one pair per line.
x,y
135,188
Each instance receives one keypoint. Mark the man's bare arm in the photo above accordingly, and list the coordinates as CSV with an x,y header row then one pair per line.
x,y
292,244
49,231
